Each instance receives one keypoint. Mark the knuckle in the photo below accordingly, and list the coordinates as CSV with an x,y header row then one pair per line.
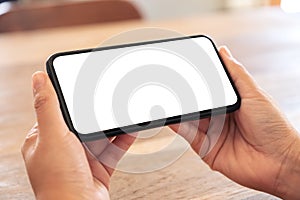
x,y
40,101
28,143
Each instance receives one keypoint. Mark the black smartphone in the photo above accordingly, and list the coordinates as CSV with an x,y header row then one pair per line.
x,y
127,88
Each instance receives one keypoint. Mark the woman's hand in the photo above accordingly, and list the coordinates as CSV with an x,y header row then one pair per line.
x,y
258,147
58,166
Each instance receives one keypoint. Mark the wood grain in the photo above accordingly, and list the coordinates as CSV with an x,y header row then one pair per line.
x,y
266,40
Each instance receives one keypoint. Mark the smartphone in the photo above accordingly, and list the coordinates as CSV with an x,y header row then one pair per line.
x,y
113,90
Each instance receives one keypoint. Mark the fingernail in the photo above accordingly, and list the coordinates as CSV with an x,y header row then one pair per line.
x,y
38,80
227,51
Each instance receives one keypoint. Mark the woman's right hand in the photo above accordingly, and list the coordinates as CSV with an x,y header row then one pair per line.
x,y
258,147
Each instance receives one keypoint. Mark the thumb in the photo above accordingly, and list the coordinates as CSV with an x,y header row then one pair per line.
x,y
48,113
244,82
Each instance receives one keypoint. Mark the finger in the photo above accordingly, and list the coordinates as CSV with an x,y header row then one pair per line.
x,y
185,129
234,67
49,116
30,142
97,147
33,130
240,76
97,169
191,133
202,124
115,151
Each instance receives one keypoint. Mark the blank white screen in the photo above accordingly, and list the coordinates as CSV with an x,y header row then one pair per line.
x,y
144,98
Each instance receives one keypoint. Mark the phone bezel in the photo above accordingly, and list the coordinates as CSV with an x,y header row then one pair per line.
x,y
141,126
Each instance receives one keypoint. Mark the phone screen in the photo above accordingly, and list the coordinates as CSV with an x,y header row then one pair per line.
x,y
137,86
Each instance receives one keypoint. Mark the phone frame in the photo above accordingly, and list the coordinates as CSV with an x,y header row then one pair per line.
x,y
144,125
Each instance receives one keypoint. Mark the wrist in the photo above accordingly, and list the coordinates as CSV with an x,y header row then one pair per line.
x,y
289,179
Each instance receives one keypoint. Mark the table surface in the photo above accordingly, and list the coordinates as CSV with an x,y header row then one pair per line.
x,y
265,40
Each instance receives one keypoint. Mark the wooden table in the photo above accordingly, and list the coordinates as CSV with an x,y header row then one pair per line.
x,y
267,41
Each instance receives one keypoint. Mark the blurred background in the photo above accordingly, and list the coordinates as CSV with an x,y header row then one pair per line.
x,y
34,14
